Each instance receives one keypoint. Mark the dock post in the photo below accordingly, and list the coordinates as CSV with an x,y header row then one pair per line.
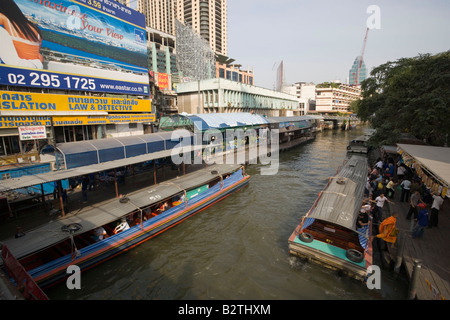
x,y
401,246
414,279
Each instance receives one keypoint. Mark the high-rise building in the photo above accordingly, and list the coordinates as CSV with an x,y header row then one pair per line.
x,y
159,14
207,17
354,71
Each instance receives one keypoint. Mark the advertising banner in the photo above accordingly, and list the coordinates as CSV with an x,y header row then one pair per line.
x,y
163,80
82,45
30,133
29,121
24,101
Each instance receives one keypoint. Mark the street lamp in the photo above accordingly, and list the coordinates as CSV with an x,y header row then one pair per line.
x,y
125,199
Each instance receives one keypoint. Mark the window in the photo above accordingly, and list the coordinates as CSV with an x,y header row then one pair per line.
x,y
9,145
132,125
221,73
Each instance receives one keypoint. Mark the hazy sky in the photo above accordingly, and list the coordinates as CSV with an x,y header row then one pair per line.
x,y
318,40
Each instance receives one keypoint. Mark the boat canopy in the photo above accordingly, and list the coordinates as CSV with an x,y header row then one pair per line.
x,y
205,121
52,232
340,202
83,153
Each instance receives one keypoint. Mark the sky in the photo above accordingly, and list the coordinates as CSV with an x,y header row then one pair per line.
x,y
318,40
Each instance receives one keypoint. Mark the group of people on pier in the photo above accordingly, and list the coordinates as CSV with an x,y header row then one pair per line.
x,y
385,178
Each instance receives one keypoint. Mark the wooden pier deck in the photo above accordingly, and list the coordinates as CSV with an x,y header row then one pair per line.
x,y
432,251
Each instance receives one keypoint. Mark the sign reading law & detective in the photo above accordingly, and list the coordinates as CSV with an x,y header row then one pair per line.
x,y
21,101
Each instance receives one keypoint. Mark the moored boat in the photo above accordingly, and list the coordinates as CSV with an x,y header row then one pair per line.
x,y
359,145
327,234
47,252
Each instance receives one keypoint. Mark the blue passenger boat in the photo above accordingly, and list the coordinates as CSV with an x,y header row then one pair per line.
x,y
48,251
327,234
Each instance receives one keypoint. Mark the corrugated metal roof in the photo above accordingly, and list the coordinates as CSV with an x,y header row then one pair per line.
x,y
340,202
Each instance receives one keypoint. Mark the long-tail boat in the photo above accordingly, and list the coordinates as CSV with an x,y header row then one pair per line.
x,y
328,234
46,252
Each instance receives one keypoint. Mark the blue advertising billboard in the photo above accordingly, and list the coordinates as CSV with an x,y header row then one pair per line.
x,y
81,45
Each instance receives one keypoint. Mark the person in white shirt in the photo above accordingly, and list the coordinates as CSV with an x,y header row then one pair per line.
x,y
379,164
406,190
378,212
435,207
401,172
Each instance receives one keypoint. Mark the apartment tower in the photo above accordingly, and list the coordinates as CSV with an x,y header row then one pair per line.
x,y
207,17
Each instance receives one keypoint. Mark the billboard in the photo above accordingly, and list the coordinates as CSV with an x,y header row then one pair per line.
x,y
83,45
11,101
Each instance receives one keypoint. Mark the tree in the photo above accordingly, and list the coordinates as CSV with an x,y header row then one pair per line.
x,y
410,95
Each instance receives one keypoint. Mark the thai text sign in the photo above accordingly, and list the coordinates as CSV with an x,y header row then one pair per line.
x,y
163,80
14,121
90,45
30,133
22,101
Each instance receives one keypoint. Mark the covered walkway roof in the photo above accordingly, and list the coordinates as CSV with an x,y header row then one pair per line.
x,y
207,121
84,153
294,118
435,159
28,181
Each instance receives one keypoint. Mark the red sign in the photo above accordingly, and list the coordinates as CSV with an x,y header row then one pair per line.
x,y
163,80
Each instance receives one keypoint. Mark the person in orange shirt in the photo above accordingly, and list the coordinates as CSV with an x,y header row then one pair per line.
x,y
21,39
387,229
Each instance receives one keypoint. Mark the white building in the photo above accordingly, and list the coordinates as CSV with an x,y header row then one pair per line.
x,y
306,95
336,97
222,95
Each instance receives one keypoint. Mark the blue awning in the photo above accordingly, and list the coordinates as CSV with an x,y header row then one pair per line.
x,y
83,153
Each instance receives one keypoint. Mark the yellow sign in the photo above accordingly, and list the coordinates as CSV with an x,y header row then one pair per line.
x,y
109,119
25,101
14,122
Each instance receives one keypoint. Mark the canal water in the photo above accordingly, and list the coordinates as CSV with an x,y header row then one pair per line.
x,y
238,248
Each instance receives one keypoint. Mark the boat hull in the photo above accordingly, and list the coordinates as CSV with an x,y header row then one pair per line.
x,y
56,272
331,257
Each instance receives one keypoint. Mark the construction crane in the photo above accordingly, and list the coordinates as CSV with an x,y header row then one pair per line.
x,y
361,59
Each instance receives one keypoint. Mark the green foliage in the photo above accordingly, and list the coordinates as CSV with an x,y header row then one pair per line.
x,y
410,95
328,85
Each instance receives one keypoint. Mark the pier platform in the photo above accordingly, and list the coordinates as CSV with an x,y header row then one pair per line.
x,y
431,251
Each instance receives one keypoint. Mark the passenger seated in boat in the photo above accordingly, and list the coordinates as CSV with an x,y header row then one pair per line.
x,y
163,207
178,200
363,219
100,234
122,226
130,218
